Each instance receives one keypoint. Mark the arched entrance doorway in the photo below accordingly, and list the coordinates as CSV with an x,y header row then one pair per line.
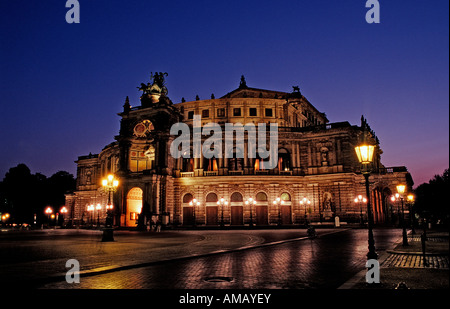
x,y
188,210
261,209
134,206
285,209
237,209
211,209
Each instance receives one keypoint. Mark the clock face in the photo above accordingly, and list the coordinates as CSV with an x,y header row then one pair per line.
x,y
141,129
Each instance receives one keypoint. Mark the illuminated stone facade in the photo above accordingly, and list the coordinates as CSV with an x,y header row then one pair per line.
x,y
316,163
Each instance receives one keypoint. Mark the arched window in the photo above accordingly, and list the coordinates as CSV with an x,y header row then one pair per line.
x,y
187,198
284,160
211,197
285,196
236,197
261,196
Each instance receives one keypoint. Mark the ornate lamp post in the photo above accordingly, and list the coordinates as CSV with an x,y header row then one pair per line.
x,y
278,202
99,208
401,191
305,202
365,157
395,199
63,211
110,185
222,202
360,199
410,198
194,203
48,211
250,202
90,209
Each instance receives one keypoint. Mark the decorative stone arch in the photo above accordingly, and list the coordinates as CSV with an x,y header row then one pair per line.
x,y
284,159
187,210
236,208
236,197
261,196
262,208
134,206
211,197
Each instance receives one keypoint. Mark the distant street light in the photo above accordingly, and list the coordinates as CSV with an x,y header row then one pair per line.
x,y
360,199
305,202
48,211
401,191
278,202
63,211
410,198
250,202
99,208
194,203
222,202
90,209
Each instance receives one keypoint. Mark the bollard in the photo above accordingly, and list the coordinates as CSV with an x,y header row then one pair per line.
x,y
108,234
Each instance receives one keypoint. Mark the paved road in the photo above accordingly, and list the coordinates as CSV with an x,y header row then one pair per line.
x,y
235,259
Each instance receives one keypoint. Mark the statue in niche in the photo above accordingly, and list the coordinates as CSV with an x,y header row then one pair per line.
x,y
324,156
88,177
327,205
327,200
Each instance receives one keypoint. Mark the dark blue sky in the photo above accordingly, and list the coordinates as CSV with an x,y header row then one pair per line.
x,y
62,85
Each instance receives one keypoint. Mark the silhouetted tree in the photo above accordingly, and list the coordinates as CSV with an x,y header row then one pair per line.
x,y
23,194
432,201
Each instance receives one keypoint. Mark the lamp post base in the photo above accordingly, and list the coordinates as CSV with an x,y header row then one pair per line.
x,y
108,234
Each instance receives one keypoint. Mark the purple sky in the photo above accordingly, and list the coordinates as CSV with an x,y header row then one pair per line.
x,y
62,85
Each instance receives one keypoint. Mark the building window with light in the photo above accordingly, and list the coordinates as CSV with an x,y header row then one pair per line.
x,y
141,160
221,112
236,112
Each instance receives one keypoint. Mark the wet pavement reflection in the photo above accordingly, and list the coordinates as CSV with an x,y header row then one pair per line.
x,y
324,262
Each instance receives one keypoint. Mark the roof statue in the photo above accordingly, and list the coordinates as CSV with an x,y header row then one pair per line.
x,y
243,83
157,85
155,90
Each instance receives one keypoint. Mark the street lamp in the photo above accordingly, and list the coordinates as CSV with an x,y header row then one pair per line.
x,y
222,202
360,199
305,202
410,198
194,203
364,153
48,211
110,185
401,191
250,202
90,209
98,207
278,202
63,211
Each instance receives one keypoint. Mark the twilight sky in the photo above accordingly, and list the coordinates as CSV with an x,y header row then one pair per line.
x,y
62,85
